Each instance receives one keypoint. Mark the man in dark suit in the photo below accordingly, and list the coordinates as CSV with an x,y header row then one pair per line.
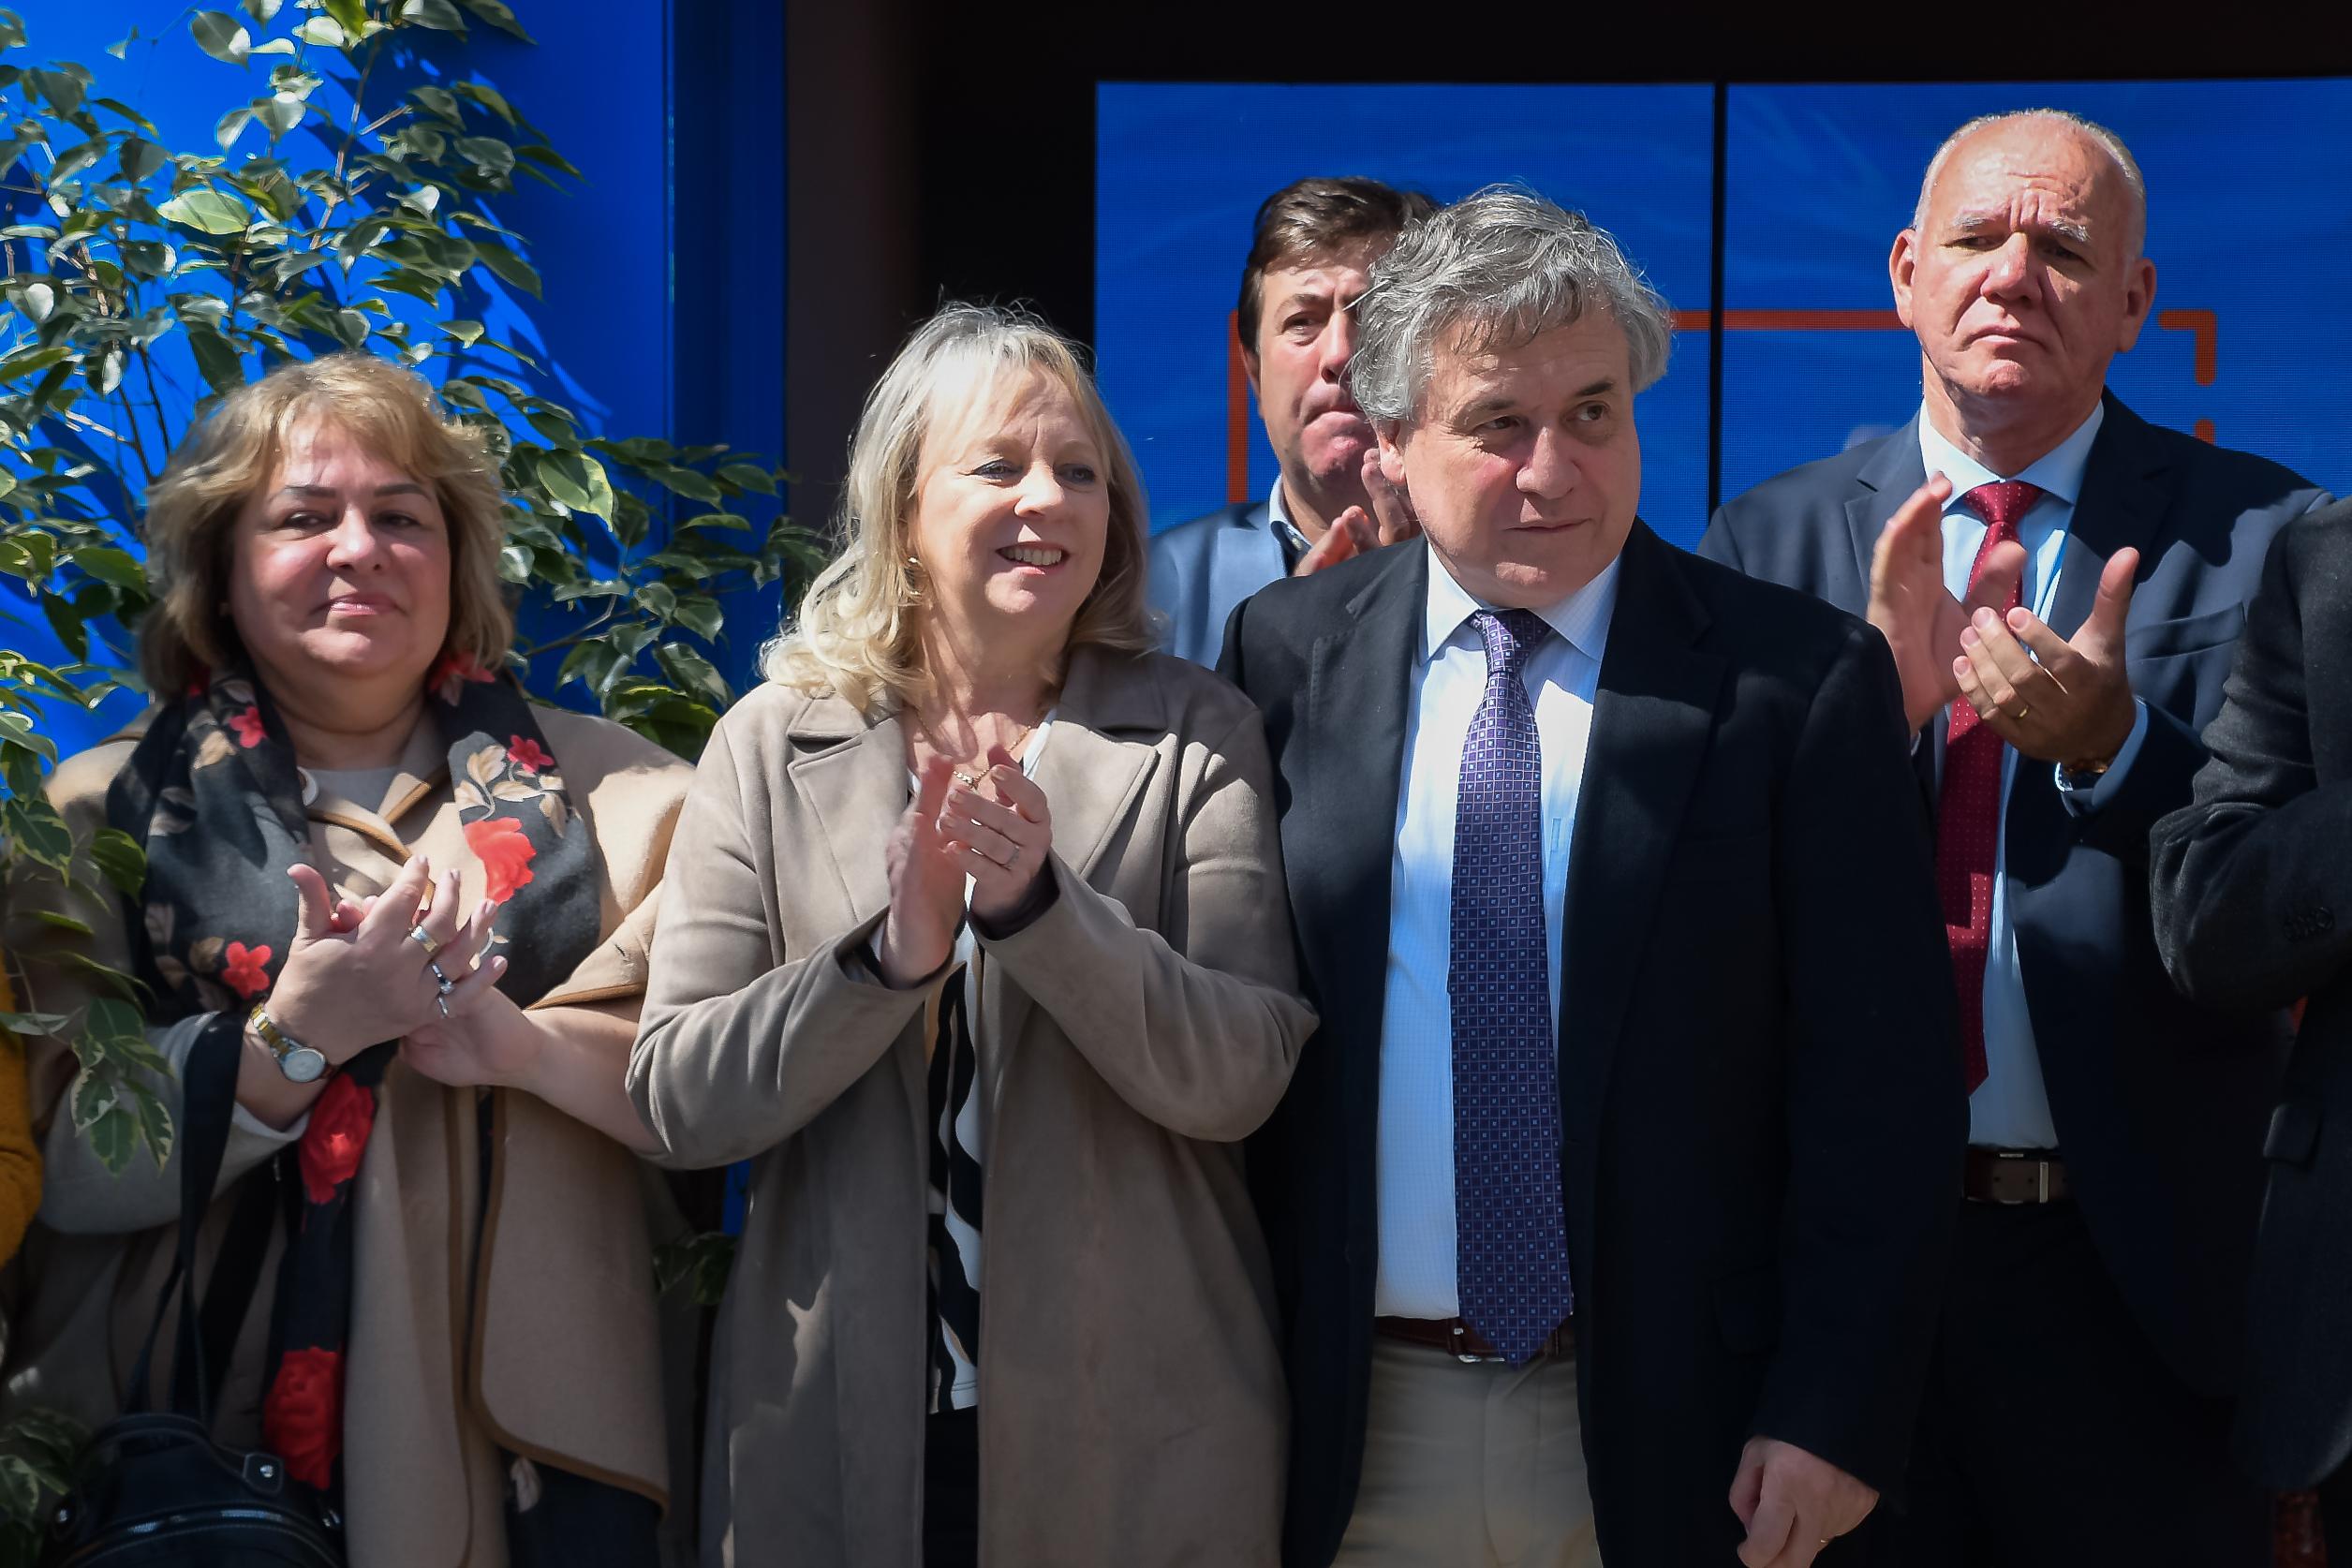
x,y
1311,252
2253,891
1608,1206
2060,583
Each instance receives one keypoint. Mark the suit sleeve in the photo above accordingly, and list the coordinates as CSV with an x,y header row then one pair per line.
x,y
736,1051
1876,1115
1196,1028
2248,879
1719,544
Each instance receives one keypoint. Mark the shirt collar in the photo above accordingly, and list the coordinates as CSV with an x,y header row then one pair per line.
x,y
1581,620
1278,517
2057,472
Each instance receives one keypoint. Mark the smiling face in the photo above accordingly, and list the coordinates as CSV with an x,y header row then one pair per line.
x,y
1523,462
1306,336
2021,284
339,569
1011,511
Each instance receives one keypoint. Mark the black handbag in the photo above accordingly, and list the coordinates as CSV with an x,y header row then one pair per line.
x,y
153,1487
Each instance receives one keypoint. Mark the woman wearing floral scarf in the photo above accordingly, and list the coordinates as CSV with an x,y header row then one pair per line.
x,y
423,905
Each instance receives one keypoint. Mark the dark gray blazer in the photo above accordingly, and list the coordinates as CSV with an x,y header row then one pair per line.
x,y
2160,1103
2253,888
1202,569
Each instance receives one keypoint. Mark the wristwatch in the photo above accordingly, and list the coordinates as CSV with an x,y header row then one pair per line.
x,y
299,1062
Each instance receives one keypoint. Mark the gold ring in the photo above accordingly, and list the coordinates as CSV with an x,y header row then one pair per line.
x,y
417,934
2022,710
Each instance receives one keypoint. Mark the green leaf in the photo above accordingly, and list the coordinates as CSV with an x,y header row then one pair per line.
x,y
350,15
109,564
11,30
508,267
489,98
262,10
324,30
112,1131
74,159
38,831
37,300
23,1025
222,367
140,158
280,115
25,362
725,520
221,36
491,157
700,615
115,106
62,89
692,672
120,858
155,1123
464,332
56,922
746,475
496,13
206,211
437,14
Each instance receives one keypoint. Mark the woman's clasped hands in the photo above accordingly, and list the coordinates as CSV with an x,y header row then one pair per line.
x,y
995,829
387,967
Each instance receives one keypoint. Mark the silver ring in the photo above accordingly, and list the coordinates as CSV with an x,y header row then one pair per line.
x,y
442,1001
444,982
423,939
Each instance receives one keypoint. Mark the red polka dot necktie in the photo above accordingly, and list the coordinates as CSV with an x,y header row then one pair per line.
x,y
1967,814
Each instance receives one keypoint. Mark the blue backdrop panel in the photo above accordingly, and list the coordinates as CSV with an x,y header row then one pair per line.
x,y
2246,226
1182,168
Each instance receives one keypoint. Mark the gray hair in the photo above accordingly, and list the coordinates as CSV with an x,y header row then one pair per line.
x,y
1500,267
2135,184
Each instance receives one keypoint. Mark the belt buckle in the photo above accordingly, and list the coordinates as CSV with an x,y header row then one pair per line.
x,y
2041,1179
1466,1358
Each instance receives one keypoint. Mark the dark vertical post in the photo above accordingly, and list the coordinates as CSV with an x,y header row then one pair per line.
x,y
1715,307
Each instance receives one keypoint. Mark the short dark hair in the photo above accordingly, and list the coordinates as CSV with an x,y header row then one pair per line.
x,y
1317,216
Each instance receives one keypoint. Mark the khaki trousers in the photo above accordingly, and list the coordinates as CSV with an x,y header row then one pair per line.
x,y
1470,1463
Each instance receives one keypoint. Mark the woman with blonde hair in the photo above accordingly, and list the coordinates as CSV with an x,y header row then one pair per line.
x,y
975,945
410,912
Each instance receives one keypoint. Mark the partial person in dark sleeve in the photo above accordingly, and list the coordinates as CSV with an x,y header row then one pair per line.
x,y
2253,890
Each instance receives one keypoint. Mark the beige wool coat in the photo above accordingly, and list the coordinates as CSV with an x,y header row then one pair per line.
x,y
548,1348
1132,1406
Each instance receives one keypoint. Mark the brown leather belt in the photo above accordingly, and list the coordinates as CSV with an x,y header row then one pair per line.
x,y
1463,1342
2015,1176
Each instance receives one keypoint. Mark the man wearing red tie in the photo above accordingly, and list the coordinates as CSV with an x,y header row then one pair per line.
x,y
2062,583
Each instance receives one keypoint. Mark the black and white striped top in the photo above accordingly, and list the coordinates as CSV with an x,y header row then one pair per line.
x,y
956,1169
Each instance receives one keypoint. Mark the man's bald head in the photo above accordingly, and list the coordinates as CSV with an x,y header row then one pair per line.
x,y
2054,122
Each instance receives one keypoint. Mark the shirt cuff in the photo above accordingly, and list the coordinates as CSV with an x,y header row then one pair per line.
x,y
2090,797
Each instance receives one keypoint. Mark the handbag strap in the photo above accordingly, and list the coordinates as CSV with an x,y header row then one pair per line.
x,y
208,1101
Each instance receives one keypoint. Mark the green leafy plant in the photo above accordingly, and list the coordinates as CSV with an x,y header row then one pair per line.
x,y
337,210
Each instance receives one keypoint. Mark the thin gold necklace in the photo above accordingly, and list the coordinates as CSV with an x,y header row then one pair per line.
x,y
969,779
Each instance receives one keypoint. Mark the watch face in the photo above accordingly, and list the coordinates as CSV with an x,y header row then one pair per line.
x,y
302,1064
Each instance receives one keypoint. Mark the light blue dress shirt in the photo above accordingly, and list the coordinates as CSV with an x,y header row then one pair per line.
x,y
1415,1276
2011,1109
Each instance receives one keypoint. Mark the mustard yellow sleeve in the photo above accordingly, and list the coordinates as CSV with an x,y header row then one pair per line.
x,y
19,1157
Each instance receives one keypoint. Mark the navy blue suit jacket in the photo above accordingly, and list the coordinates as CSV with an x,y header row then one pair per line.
x,y
1200,569
1758,1147
2160,1104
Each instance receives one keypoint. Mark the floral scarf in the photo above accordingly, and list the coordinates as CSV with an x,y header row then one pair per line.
x,y
213,793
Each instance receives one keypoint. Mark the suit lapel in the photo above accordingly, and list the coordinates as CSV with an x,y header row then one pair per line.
x,y
851,770
1339,856
1653,718
1887,482
2122,506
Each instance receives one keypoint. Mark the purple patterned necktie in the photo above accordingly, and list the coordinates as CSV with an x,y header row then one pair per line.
x,y
1511,1236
